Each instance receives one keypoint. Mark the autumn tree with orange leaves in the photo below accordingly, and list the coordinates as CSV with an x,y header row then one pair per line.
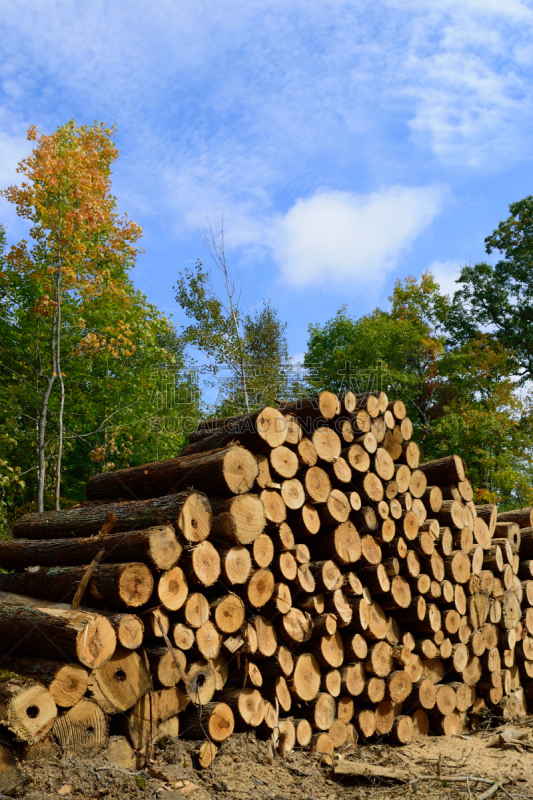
x,y
79,251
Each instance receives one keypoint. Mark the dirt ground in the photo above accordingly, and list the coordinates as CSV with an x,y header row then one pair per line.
x,y
243,769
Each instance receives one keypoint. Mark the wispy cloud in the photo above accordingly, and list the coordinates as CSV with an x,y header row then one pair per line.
x,y
249,110
350,239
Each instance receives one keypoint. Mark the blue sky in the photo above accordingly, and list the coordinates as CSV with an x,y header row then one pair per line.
x,y
345,144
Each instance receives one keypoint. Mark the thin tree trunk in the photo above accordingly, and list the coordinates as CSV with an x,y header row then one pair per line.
x,y
41,444
62,388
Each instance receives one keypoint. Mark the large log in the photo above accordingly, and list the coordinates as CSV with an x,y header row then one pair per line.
x,y
27,710
238,520
229,470
83,729
522,516
128,628
119,585
120,683
188,511
158,547
443,471
56,633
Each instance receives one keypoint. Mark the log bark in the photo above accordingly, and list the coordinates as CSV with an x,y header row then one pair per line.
x,y
119,585
227,470
443,471
157,547
53,633
188,511
523,517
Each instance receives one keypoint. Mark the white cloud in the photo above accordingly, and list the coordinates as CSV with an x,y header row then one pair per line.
x,y
334,236
446,274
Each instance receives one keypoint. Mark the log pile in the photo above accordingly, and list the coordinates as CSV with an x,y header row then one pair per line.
x,y
296,572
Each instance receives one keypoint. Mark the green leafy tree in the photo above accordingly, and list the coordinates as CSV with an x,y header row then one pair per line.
x,y
92,374
398,351
499,298
252,347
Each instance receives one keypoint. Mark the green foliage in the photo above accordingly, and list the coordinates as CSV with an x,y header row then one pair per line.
x,y
499,298
398,351
460,393
252,347
127,399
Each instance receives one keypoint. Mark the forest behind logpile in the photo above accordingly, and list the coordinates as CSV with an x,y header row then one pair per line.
x,y
94,377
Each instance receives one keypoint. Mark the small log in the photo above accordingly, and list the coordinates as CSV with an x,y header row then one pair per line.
x,y
384,717
163,666
327,444
247,705
305,521
151,620
173,589
432,499
321,712
304,683
403,729
208,642
214,719
398,686
293,494
331,682
206,754
345,709
284,462
357,458
201,565
313,411
265,636
488,513
306,452
238,520
365,723
235,565
195,611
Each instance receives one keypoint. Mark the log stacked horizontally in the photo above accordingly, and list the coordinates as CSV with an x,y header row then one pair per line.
x,y
294,571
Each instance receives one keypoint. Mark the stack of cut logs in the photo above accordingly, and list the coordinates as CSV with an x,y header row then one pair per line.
x,y
293,571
